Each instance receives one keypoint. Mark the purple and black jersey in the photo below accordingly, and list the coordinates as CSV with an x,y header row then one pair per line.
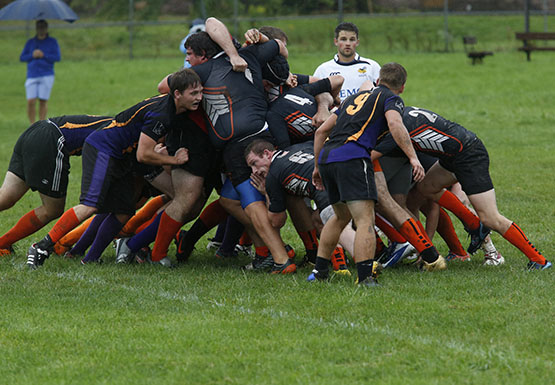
x,y
432,134
235,102
360,124
154,116
290,115
76,128
291,173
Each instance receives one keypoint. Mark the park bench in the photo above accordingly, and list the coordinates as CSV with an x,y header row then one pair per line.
x,y
528,39
476,56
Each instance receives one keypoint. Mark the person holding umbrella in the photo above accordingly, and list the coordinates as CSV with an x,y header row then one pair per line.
x,y
40,53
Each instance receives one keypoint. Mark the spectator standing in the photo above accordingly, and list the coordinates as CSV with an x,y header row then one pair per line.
x,y
40,53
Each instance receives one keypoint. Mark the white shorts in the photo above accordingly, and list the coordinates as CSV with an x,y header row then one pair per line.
x,y
39,87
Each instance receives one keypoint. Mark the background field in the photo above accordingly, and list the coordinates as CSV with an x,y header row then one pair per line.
x,y
208,322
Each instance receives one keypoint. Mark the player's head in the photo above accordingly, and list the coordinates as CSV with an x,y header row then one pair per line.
x,y
347,27
258,155
346,41
394,76
274,33
186,88
276,71
200,47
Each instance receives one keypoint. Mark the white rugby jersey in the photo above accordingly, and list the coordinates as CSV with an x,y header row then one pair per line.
x,y
355,73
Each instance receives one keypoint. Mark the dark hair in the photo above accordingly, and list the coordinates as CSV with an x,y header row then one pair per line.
x,y
258,146
183,79
276,70
393,75
274,33
202,45
346,26
41,22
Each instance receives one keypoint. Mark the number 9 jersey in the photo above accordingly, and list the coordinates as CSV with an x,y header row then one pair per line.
x,y
360,124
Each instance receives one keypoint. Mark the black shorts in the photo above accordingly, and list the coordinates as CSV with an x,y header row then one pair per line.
x,y
107,183
352,180
40,159
426,160
235,163
398,174
471,167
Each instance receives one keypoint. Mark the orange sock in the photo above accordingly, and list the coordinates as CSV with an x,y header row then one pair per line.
x,y
309,239
412,233
166,233
27,225
389,230
245,239
65,224
72,237
262,251
447,231
213,214
516,236
453,204
142,215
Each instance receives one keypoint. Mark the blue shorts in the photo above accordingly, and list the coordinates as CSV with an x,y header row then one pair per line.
x,y
39,87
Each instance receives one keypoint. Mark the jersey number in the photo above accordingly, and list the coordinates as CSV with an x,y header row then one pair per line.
x,y
301,157
358,103
431,117
297,99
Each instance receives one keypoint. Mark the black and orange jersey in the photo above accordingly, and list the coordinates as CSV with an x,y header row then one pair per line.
x,y
291,173
290,115
360,124
76,128
153,116
235,102
431,133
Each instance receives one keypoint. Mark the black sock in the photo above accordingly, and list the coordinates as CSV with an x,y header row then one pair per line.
x,y
322,265
46,243
364,269
197,230
430,255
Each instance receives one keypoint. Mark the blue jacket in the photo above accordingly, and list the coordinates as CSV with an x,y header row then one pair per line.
x,y
44,66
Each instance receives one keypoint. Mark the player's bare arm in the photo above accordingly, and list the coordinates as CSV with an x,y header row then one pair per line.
x,y
220,34
146,153
320,137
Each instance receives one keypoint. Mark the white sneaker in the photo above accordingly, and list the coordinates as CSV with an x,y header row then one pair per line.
x,y
493,259
213,245
166,262
123,253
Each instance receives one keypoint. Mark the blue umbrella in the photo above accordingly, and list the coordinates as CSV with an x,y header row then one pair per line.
x,y
38,9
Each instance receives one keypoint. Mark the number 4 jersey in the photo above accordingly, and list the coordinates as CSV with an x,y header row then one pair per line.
x,y
360,124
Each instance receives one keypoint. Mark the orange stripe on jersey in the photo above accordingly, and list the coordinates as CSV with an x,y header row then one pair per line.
x,y
377,166
70,126
117,124
221,91
361,131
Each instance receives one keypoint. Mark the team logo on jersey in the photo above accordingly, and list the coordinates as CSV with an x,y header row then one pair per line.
x,y
296,185
215,105
159,128
430,140
362,70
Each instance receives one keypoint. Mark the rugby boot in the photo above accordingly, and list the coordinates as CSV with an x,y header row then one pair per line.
x,y
477,237
260,263
452,257
123,253
536,266
183,249
372,279
316,275
36,256
493,258
437,265
288,267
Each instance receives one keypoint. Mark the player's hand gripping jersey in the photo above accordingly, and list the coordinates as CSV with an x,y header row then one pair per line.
x,y
235,102
360,124
432,134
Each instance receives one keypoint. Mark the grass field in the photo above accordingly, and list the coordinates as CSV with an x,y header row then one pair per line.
x,y
210,323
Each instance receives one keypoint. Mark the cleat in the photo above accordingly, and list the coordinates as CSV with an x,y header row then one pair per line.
x,y
290,252
395,253
344,272
318,276
437,265
372,279
123,253
36,256
222,254
477,237
536,266
288,267
493,259
98,261
212,244
338,259
166,262
245,249
6,251
260,263
309,258
142,256
69,255
452,257
183,249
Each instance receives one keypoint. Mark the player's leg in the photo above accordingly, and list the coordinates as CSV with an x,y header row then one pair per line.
x,y
43,109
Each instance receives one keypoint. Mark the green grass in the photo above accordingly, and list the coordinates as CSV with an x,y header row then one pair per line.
x,y
209,323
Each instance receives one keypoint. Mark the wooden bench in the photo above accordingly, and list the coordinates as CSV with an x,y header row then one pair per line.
x,y
476,56
529,46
